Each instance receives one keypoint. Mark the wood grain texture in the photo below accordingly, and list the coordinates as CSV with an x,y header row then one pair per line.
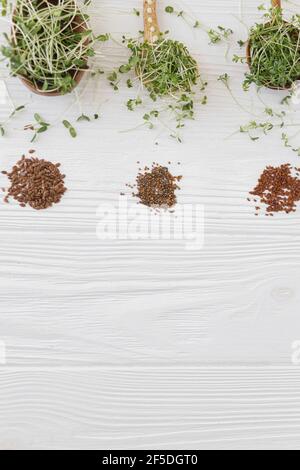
x,y
165,408
143,344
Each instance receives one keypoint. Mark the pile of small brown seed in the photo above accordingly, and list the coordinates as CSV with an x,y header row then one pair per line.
x,y
278,188
156,187
34,182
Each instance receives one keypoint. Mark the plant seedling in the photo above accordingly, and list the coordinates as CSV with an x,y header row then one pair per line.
x,y
273,51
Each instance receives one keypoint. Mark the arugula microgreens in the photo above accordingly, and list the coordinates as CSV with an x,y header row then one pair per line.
x,y
166,70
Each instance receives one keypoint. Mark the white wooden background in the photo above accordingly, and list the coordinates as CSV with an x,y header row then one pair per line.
x,y
142,344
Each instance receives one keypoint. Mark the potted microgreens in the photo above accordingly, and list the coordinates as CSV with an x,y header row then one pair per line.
x,y
273,51
164,67
49,44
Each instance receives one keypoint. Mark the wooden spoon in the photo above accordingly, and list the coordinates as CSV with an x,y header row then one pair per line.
x,y
275,4
151,28
152,31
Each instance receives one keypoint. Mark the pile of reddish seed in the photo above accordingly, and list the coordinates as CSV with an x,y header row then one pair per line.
x,y
34,182
156,187
278,188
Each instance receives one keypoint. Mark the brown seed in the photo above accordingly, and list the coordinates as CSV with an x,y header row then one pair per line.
x,y
156,187
35,182
279,189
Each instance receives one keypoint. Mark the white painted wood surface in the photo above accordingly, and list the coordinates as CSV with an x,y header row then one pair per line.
x,y
143,344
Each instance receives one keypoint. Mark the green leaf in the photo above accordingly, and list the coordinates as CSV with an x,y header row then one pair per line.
x,y
42,129
67,124
38,118
103,37
70,128
73,132
83,117
169,9
125,68
19,108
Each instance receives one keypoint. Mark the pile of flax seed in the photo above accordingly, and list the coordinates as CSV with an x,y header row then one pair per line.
x,y
35,182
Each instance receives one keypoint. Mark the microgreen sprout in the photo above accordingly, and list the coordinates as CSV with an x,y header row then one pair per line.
x,y
166,70
268,120
71,129
39,127
50,43
215,36
274,51
11,116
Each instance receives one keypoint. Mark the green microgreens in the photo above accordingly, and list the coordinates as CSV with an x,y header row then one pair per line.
x,y
50,43
166,70
272,119
274,52
3,4
71,129
225,79
215,35
39,127
220,34
274,63
83,118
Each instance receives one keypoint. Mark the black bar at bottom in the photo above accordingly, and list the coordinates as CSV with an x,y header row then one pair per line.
x,y
102,458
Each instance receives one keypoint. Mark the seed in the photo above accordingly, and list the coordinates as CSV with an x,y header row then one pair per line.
x,y
156,187
34,182
279,189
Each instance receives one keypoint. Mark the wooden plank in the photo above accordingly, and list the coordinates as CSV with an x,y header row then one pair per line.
x,y
153,408
124,343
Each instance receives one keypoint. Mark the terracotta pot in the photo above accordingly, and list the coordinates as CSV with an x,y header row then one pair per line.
x,y
77,74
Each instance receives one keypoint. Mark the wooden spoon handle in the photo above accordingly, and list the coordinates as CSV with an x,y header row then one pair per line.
x,y
151,28
276,3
